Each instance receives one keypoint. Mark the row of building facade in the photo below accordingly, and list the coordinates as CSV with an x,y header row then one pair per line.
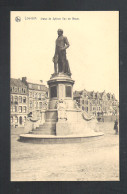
x,y
28,98
95,103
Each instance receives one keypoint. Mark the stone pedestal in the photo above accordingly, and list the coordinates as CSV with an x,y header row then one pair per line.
x,y
60,88
63,117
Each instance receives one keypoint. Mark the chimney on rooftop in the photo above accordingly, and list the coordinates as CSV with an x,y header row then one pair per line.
x,y
24,79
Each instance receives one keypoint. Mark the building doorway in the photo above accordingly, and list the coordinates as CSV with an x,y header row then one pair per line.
x,y
20,120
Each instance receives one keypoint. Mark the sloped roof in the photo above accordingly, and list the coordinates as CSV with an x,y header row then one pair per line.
x,y
108,95
17,83
89,94
101,94
34,81
35,84
77,93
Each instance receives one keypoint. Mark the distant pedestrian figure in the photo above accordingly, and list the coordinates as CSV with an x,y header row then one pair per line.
x,y
116,126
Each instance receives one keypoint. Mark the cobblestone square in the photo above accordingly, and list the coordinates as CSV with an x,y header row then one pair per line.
x,y
90,161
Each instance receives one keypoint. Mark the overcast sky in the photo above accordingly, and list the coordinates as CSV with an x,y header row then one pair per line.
x,y
93,54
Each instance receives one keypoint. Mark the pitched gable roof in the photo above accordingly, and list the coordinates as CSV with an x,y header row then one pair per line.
x,y
17,83
77,93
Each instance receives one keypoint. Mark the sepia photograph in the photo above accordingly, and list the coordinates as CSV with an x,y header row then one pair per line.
x,y
64,96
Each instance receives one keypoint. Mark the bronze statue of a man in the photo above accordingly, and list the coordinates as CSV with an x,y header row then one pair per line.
x,y
60,54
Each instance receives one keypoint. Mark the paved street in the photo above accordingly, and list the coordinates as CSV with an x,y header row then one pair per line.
x,y
90,161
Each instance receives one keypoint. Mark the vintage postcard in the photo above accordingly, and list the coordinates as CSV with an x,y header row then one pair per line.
x,y
64,95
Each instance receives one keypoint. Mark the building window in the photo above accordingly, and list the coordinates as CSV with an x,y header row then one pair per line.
x,y
20,99
11,109
10,89
68,91
24,109
16,89
30,94
82,107
24,91
30,104
11,120
42,95
15,108
16,120
16,99
37,105
11,98
35,95
82,101
86,109
20,120
86,101
20,109
24,99
39,96
40,104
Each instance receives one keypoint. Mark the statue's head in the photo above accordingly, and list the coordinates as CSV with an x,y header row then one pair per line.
x,y
60,31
